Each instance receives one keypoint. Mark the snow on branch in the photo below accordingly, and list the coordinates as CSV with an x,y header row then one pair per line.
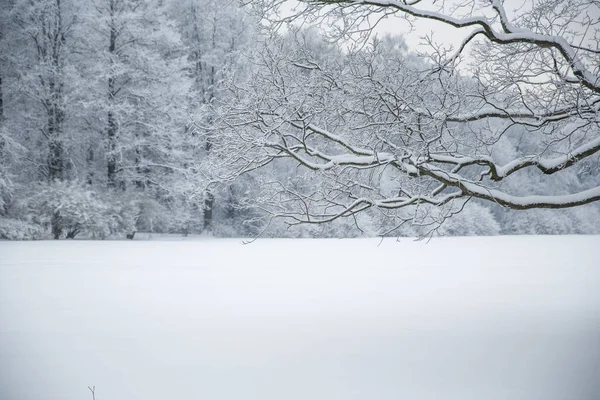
x,y
508,35
379,126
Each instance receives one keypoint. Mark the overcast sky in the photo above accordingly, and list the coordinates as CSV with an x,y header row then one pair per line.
x,y
441,32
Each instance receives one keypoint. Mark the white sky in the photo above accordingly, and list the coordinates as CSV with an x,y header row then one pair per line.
x,y
441,33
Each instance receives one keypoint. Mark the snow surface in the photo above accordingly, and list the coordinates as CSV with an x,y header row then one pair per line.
x,y
478,318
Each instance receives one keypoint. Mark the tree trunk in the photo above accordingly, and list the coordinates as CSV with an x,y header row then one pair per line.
x,y
139,182
1,100
56,225
209,201
54,106
111,131
55,160
111,136
4,208
55,117
1,119
89,158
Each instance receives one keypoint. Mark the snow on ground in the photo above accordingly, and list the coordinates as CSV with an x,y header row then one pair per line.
x,y
456,318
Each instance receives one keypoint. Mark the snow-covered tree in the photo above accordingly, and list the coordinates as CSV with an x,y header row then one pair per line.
x,y
215,35
192,115
47,26
433,123
135,56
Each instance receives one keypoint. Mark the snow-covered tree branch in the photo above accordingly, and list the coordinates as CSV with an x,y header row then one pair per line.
x,y
433,126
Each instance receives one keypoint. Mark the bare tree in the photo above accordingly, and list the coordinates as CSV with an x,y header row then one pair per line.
x,y
388,129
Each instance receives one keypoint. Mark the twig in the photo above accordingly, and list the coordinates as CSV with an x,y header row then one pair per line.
x,y
93,390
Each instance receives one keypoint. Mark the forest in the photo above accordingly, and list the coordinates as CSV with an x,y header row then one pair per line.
x,y
255,119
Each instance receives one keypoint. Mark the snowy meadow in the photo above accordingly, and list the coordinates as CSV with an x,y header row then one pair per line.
x,y
454,318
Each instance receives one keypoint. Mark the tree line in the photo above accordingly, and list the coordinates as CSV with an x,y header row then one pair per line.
x,y
101,103
192,116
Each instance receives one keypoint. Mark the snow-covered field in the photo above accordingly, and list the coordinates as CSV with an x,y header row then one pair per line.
x,y
479,318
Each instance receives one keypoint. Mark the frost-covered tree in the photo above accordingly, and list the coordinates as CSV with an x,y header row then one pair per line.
x,y
215,35
46,26
94,92
5,183
135,54
6,6
433,124
190,115
37,85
